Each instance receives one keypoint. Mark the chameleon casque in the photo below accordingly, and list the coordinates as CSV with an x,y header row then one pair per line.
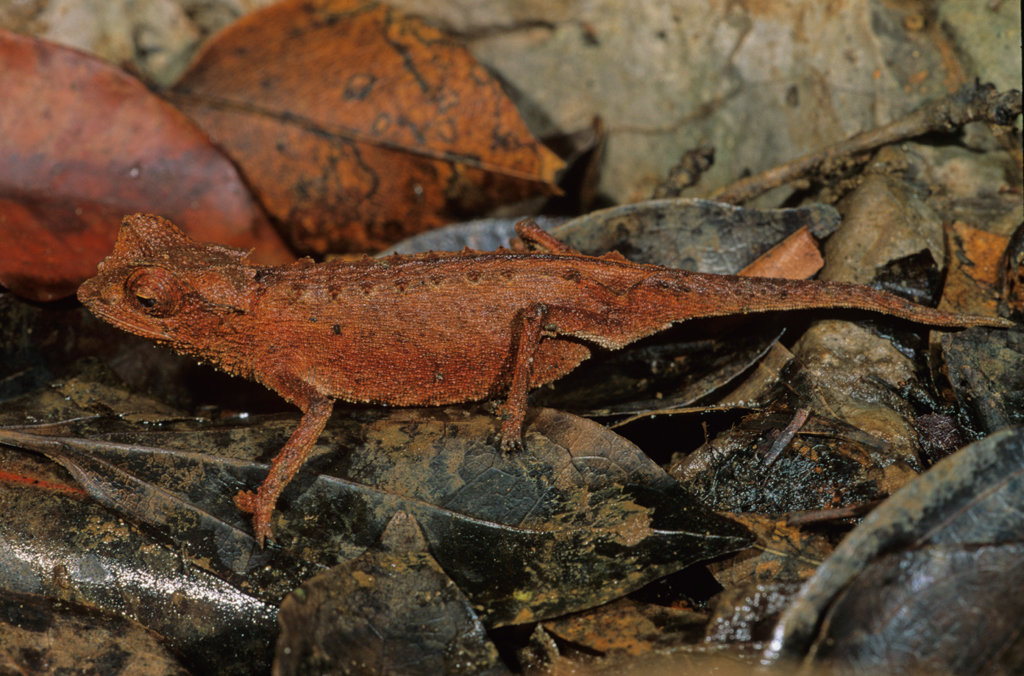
x,y
421,330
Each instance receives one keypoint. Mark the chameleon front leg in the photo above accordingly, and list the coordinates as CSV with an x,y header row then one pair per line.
x,y
316,410
529,231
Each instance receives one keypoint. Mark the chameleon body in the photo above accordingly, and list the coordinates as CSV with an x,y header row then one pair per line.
x,y
422,330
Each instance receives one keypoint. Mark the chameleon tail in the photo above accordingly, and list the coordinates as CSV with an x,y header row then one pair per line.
x,y
701,295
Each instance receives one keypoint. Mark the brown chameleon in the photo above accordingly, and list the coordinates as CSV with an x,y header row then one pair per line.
x,y
422,330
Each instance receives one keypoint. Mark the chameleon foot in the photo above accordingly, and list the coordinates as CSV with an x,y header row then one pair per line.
x,y
250,503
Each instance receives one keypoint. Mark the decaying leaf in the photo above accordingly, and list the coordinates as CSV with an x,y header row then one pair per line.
x,y
58,543
83,144
583,518
958,527
826,464
1011,277
657,376
356,125
41,635
947,608
748,612
628,627
781,553
391,611
985,372
796,257
972,280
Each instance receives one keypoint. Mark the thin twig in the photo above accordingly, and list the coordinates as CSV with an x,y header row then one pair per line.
x,y
779,445
971,103
806,518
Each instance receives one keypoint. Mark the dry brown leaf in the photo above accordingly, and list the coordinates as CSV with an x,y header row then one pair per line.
x,y
357,126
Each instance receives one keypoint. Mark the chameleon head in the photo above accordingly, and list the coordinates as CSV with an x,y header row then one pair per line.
x,y
145,300
160,284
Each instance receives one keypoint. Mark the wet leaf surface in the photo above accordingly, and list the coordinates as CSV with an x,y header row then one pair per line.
x,y
938,609
84,144
41,635
749,612
656,375
57,542
399,130
827,464
959,527
583,518
984,370
392,610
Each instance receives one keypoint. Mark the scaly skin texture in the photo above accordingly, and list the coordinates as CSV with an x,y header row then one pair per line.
x,y
424,330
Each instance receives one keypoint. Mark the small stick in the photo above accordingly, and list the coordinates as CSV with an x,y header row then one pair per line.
x,y
971,103
787,435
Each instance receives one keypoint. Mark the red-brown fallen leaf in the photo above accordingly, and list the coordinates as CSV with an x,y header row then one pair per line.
x,y
796,257
81,145
972,280
357,126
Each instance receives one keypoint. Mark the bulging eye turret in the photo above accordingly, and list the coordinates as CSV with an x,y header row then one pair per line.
x,y
156,291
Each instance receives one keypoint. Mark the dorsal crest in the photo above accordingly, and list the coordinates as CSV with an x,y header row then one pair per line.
x,y
146,237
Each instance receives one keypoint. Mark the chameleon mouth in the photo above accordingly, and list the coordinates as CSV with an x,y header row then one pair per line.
x,y
128,324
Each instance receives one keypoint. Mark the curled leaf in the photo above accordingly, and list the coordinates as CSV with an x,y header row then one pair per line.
x,y
958,524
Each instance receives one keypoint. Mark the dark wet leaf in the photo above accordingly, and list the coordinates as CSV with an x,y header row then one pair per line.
x,y
940,436
40,635
693,234
985,370
950,609
390,611
654,376
57,542
580,518
827,464
966,508
749,612
915,277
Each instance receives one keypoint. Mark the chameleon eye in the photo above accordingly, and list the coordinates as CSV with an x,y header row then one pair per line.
x,y
156,291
